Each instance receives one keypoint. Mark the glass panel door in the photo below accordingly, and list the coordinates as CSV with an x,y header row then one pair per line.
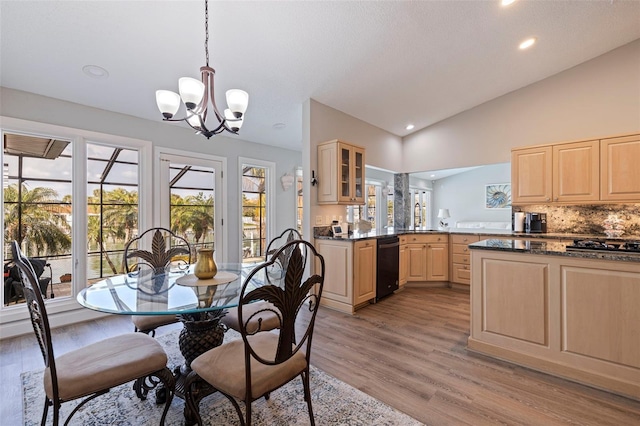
x,y
191,200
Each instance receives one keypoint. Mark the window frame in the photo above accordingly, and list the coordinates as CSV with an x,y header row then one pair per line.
x,y
79,139
270,189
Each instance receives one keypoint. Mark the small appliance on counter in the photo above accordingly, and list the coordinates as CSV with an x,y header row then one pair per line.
x,y
518,222
535,223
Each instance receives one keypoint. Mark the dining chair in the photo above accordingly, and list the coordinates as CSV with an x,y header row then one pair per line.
x,y
258,363
156,260
262,313
92,370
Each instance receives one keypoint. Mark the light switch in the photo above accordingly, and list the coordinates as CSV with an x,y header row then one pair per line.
x,y
319,220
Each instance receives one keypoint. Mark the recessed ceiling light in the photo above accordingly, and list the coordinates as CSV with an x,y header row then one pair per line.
x,y
527,43
433,176
279,126
507,2
410,127
95,71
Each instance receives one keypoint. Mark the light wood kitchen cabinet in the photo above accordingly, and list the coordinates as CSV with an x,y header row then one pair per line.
x,y
620,173
460,260
340,173
364,271
437,262
576,171
350,273
538,311
417,257
531,175
427,257
567,172
404,261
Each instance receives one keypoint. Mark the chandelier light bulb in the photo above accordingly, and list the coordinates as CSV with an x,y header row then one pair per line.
x,y
238,100
168,102
191,91
194,121
232,121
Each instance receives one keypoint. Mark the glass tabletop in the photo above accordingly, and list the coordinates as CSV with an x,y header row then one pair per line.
x,y
146,293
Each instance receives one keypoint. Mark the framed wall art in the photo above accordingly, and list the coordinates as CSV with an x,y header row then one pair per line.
x,y
497,196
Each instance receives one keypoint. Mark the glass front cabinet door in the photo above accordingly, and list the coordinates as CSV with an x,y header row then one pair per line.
x,y
340,173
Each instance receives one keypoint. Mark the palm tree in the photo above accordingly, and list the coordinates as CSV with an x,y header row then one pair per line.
x,y
29,220
195,213
117,221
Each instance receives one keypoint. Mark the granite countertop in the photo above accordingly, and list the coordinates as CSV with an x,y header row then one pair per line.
x,y
546,247
324,233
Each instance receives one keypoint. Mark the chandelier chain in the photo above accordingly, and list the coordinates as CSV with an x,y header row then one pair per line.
x,y
206,31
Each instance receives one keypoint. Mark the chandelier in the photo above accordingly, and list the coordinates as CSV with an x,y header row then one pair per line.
x,y
198,95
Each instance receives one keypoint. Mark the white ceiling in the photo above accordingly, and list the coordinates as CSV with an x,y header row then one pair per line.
x,y
387,63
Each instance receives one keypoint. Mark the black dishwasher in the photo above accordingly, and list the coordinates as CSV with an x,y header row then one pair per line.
x,y
388,263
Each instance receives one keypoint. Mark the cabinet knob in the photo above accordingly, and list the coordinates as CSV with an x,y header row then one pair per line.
x,y
548,199
556,198
465,249
465,267
464,240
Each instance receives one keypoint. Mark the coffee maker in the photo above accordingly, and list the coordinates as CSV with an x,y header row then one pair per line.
x,y
535,223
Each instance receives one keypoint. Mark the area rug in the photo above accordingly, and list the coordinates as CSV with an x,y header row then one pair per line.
x,y
334,403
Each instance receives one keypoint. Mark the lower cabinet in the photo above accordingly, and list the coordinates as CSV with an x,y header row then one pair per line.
x,y
427,257
460,259
573,317
404,261
364,271
350,273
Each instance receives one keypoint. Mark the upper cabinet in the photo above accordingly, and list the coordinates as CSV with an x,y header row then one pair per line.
x,y
620,170
340,173
577,172
531,175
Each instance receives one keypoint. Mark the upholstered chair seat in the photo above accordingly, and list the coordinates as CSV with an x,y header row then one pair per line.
x,y
224,368
105,364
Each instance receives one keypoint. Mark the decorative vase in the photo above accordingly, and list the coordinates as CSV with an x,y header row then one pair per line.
x,y
205,267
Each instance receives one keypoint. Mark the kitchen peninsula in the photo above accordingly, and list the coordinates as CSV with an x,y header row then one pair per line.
x,y
573,314
426,257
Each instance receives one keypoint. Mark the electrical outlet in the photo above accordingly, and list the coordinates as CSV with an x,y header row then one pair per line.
x,y
335,217
318,220
327,220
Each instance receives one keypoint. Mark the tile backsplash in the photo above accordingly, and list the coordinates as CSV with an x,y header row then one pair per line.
x,y
587,219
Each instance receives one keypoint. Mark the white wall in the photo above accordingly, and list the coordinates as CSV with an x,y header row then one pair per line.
x,y
464,195
29,106
600,97
322,123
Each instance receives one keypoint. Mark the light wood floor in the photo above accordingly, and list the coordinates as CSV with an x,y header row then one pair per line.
x,y
408,350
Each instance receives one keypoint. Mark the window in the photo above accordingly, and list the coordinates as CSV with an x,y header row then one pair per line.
x,y
299,200
378,208
112,207
256,180
78,242
37,206
421,212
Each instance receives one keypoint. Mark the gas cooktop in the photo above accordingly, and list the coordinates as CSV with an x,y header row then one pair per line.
x,y
632,247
